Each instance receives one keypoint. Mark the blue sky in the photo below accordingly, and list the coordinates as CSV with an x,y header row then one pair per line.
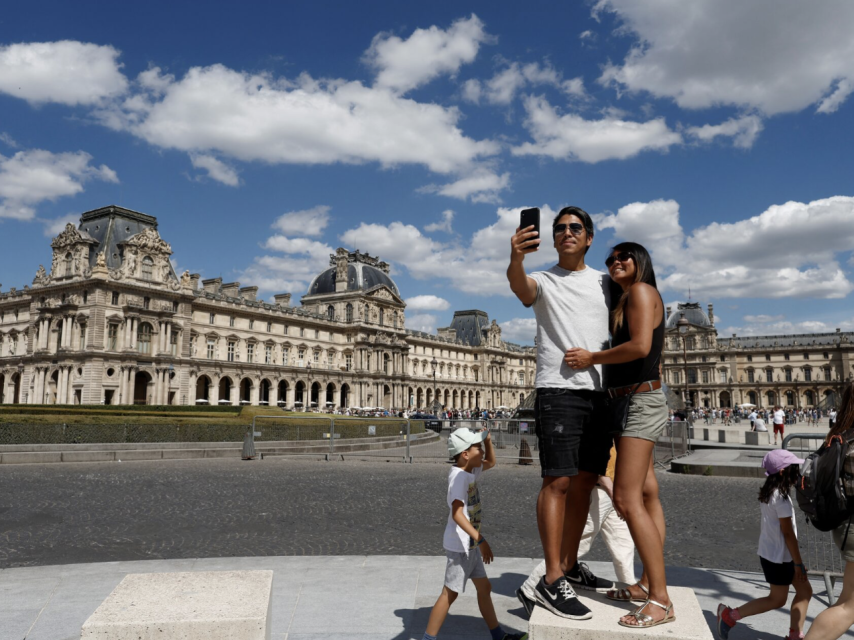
x,y
265,135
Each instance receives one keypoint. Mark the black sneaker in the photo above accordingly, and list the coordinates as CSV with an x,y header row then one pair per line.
x,y
561,600
581,577
526,601
515,636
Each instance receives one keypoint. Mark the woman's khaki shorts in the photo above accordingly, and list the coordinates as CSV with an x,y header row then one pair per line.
x,y
839,536
647,416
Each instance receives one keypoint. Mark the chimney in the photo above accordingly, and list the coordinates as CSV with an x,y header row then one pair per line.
x,y
283,299
342,258
194,280
669,311
230,290
212,285
712,314
249,293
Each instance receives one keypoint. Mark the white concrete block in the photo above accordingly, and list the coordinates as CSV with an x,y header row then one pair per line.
x,y
209,605
690,624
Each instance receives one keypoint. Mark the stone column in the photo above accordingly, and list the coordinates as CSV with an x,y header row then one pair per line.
x,y
213,396
254,393
44,330
38,388
290,395
134,325
233,393
62,385
158,381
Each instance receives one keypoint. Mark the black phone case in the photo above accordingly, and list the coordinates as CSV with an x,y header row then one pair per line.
x,y
530,217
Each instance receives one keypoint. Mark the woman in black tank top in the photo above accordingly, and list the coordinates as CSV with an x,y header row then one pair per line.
x,y
632,368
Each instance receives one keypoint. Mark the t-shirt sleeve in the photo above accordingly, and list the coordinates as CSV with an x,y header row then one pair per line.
x,y
536,277
783,506
458,488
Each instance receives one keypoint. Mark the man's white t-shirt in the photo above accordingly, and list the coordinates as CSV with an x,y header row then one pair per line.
x,y
779,417
753,415
462,486
832,415
572,310
772,545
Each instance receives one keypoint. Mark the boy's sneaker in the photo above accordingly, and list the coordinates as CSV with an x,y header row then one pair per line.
x,y
526,601
581,577
561,600
723,628
515,636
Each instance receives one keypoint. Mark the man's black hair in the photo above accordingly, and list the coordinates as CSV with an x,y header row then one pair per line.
x,y
579,213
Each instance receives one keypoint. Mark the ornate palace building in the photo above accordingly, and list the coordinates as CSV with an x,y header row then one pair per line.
x,y
794,371
112,323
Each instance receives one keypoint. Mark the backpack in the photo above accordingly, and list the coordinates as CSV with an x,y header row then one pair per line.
x,y
825,492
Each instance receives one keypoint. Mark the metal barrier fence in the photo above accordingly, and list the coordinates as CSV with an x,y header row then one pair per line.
x,y
512,439
819,552
673,443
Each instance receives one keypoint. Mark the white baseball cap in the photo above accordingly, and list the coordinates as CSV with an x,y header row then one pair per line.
x,y
461,439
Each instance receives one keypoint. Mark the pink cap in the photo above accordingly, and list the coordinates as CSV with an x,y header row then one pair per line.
x,y
778,459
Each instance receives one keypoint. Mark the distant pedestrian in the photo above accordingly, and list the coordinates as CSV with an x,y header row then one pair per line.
x,y
779,422
466,549
832,415
779,553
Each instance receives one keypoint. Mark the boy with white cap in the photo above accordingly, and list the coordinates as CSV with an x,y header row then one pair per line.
x,y
465,547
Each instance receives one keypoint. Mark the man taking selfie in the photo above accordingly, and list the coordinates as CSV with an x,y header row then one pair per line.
x,y
571,305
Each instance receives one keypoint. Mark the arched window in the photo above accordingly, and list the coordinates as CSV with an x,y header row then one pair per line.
x,y
330,312
395,319
69,265
143,338
367,313
790,398
810,398
147,268
348,313
382,317
692,376
751,396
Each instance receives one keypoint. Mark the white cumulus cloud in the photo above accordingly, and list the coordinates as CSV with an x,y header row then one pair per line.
x,y
35,175
773,55
480,185
503,87
427,303
405,64
743,131
571,137
217,170
425,322
519,330
444,225
67,72
308,222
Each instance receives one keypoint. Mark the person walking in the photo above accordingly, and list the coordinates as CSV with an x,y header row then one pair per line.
x,y
779,553
571,306
779,418
834,621
632,368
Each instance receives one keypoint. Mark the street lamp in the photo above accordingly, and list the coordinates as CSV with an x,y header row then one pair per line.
x,y
308,375
435,363
683,325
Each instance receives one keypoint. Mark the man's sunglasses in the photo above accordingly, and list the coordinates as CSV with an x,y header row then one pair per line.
x,y
574,227
623,256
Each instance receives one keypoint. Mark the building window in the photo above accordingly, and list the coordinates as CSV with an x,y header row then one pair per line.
x,y
285,330
143,338
785,356
211,348
705,377
750,358
230,321
269,327
330,358
174,306
722,375
268,355
806,356
348,312
192,346
386,359
395,319
769,375
790,398
316,357
147,268
173,344
113,337
751,376
211,318
317,334
348,362
13,345
367,313
302,332
251,324
827,374
250,352
723,358
522,377
692,376
677,378
115,298
808,374
826,355
349,337
689,343
285,354
702,358
788,374
85,297
82,336
231,347
146,303
767,357
382,317
301,357
330,312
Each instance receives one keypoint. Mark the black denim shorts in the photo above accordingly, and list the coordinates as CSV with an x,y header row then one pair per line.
x,y
778,573
571,432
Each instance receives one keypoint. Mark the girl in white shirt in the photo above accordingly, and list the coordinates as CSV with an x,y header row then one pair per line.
x,y
779,553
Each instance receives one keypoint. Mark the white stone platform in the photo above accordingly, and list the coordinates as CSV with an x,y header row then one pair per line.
x,y
690,624
209,605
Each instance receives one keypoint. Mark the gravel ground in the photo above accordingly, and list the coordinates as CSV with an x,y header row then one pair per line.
x,y
71,513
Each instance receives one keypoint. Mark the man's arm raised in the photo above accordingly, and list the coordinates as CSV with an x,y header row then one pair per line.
x,y
523,241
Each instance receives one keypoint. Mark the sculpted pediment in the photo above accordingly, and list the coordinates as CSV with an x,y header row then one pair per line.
x,y
382,292
149,240
71,235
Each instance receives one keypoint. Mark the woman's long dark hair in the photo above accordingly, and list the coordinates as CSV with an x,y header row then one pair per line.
x,y
845,415
643,273
781,481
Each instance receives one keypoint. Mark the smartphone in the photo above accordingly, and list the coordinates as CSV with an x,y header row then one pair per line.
x,y
531,217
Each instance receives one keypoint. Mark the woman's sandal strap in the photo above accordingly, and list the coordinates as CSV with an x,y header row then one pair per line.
x,y
645,620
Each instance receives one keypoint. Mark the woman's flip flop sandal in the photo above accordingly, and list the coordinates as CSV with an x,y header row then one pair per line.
x,y
625,595
645,621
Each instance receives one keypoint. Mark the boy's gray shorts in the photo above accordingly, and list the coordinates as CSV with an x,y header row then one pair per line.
x,y
460,568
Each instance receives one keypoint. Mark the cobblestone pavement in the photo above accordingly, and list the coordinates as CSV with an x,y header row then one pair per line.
x,y
72,513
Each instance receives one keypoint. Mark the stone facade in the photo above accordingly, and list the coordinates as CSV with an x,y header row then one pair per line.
x,y
111,322
794,371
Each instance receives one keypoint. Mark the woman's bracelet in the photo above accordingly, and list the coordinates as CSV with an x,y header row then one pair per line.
x,y
481,541
797,564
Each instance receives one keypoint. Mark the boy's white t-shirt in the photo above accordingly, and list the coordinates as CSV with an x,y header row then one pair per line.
x,y
462,486
772,545
779,417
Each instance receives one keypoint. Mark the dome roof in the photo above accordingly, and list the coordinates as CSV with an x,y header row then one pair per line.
x,y
693,314
360,277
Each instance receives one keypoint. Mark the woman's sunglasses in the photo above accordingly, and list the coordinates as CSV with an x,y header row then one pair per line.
x,y
623,256
574,227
